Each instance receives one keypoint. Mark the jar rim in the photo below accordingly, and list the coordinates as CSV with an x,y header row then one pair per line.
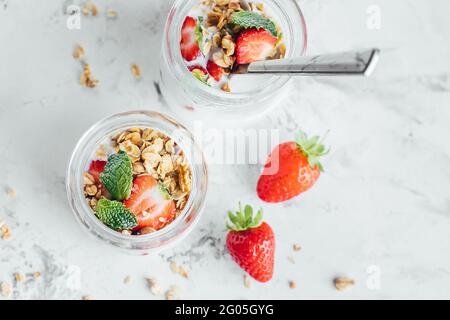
x,y
176,63
82,150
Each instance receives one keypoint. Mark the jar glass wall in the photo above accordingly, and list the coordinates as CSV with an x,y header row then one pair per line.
x,y
194,98
86,148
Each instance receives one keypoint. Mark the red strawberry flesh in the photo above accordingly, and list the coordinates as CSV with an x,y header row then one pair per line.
x,y
190,49
199,68
286,174
254,45
254,251
214,70
150,204
96,168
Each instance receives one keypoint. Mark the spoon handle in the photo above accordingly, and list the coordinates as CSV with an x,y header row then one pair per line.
x,y
346,63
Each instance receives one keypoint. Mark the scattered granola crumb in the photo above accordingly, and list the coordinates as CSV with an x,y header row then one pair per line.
x,y
5,230
86,79
127,280
247,282
136,71
292,284
173,267
154,286
343,283
226,87
11,192
297,247
19,277
90,8
112,14
37,275
87,297
291,260
178,269
5,289
79,52
173,293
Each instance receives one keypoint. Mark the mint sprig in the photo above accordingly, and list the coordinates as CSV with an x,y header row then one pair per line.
x,y
117,177
115,215
250,19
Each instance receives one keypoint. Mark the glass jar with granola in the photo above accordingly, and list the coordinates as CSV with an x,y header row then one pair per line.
x,y
207,41
137,180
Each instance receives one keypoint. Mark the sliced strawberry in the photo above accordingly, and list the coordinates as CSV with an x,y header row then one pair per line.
x,y
190,49
199,69
254,45
96,168
214,70
150,204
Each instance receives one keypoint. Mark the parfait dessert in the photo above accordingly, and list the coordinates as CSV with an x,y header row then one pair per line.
x,y
218,36
138,181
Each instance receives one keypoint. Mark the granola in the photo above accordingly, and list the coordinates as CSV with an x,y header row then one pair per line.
x,y
5,289
136,71
159,184
19,277
11,193
112,14
343,283
154,286
5,230
173,293
175,268
90,9
79,52
218,36
86,79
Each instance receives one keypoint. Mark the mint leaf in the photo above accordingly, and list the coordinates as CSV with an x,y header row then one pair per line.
x,y
115,215
117,177
250,19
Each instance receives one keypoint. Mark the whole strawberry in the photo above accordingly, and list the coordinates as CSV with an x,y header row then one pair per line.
x,y
251,243
291,169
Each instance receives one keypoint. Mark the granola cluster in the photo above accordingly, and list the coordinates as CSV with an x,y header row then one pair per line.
x,y
219,19
217,33
152,153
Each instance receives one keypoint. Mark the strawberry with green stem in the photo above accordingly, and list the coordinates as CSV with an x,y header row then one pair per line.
x,y
298,168
251,243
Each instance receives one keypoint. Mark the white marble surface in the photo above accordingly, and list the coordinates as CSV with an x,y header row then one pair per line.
x,y
383,201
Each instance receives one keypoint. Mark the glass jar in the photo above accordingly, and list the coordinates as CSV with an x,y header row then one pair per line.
x,y
84,152
187,95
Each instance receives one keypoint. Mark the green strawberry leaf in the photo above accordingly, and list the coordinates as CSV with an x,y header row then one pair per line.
x,y
115,215
244,219
313,149
117,177
248,210
250,19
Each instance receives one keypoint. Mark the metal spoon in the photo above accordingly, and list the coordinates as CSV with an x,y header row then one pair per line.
x,y
345,63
